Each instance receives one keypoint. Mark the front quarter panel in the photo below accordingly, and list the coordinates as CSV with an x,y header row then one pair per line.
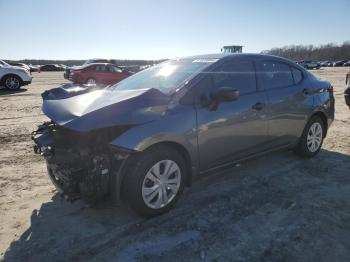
x,y
176,125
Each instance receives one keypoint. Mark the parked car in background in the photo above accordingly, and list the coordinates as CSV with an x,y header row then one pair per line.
x,y
339,63
347,63
13,77
309,64
51,67
20,65
96,73
324,63
153,133
63,66
347,90
34,68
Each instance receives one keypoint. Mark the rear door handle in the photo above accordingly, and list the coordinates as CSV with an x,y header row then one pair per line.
x,y
258,106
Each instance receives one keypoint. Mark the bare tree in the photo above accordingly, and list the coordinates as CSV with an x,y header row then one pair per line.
x,y
329,51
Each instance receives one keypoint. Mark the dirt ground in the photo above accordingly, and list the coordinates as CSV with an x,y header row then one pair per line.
x,y
275,208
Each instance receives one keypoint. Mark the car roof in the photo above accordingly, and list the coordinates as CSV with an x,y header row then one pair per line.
x,y
229,56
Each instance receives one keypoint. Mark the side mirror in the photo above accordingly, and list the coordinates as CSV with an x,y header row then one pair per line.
x,y
225,94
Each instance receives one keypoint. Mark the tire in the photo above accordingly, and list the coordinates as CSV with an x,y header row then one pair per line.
x,y
311,140
91,81
12,82
139,183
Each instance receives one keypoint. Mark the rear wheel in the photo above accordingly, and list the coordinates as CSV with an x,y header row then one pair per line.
x,y
12,82
156,181
312,138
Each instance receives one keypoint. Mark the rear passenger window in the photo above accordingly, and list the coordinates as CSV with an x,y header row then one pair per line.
x,y
238,75
275,75
101,68
297,75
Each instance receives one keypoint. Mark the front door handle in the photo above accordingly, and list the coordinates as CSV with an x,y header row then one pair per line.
x,y
258,106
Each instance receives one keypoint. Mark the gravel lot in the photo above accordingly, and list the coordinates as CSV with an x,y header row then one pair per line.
x,y
275,208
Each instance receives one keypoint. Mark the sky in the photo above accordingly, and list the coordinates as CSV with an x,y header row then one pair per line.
x,y
155,29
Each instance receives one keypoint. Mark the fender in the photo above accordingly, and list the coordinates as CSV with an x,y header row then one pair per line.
x,y
178,126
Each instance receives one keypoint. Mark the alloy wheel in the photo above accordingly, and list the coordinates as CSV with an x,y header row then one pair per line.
x,y
12,83
161,184
314,137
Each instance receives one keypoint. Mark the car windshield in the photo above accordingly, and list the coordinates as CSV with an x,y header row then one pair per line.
x,y
165,77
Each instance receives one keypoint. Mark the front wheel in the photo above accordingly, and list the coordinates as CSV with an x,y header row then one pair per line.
x,y
156,181
312,138
12,82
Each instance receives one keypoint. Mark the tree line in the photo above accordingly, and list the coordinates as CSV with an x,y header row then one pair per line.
x,y
80,62
329,52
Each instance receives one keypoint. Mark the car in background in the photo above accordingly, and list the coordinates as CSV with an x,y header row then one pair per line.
x,y
324,63
339,63
34,68
13,77
63,66
20,65
347,63
152,134
347,90
51,67
310,64
96,73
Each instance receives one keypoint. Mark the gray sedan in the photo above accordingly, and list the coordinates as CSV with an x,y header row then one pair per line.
x,y
146,138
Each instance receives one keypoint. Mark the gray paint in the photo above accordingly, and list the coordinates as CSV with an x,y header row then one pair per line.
x,y
234,130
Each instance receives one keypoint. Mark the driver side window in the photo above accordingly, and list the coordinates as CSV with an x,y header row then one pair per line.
x,y
239,75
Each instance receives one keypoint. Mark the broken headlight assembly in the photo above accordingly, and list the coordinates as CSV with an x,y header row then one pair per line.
x,y
80,164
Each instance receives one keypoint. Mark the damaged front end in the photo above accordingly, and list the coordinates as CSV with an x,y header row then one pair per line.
x,y
81,164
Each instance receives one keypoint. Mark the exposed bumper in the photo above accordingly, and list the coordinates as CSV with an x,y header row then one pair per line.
x,y
80,173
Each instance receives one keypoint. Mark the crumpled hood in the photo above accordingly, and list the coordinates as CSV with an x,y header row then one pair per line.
x,y
106,108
